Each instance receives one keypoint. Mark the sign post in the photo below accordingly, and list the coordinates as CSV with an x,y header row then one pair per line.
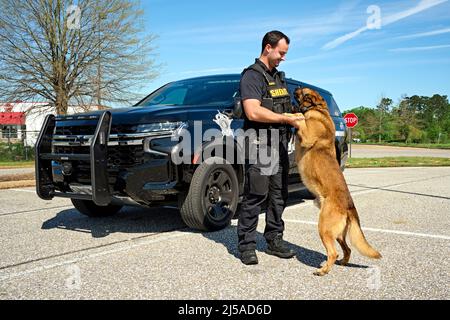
x,y
351,120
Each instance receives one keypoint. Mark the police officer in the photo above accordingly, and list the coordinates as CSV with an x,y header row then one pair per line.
x,y
265,98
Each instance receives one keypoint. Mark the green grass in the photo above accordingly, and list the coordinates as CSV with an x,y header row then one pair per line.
x,y
351,162
412,145
16,164
397,162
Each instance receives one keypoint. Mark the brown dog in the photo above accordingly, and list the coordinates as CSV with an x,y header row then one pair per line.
x,y
316,160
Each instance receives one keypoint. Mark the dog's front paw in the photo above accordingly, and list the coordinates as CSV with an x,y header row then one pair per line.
x,y
320,273
295,115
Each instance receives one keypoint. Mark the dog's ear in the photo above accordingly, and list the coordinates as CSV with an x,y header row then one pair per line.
x,y
298,94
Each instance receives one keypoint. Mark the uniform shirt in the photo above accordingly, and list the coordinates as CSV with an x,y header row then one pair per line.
x,y
253,84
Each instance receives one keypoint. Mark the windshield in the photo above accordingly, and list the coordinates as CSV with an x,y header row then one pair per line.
x,y
194,92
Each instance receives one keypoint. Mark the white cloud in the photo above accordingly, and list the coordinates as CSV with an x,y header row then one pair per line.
x,y
425,34
337,42
422,6
420,48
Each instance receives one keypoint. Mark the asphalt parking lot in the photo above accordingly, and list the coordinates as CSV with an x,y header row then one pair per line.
x,y
373,151
50,251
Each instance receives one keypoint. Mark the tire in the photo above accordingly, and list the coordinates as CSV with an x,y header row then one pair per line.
x,y
90,209
212,198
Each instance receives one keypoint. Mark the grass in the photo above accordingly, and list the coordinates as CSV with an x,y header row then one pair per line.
x,y
16,164
397,162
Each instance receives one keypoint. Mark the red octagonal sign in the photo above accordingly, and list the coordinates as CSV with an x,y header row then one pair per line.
x,y
351,120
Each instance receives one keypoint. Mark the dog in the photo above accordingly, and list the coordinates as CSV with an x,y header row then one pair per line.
x,y
315,155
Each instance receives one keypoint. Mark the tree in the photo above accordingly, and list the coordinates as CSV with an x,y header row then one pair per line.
x,y
367,122
94,52
383,108
408,120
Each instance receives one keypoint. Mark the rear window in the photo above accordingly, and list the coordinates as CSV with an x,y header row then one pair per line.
x,y
332,105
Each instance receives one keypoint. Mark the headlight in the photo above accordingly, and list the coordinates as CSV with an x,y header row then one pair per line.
x,y
158,126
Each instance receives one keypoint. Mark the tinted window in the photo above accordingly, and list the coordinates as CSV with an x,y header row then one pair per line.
x,y
332,106
291,89
195,92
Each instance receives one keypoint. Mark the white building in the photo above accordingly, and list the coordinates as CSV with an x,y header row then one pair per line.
x,y
22,121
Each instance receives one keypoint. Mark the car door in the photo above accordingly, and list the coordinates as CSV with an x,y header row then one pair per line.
x,y
291,144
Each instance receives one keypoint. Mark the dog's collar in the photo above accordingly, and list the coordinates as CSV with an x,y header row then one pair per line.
x,y
305,109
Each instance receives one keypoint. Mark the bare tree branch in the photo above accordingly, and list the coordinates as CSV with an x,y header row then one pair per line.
x,y
107,58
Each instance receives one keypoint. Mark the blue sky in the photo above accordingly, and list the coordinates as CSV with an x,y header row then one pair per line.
x,y
331,46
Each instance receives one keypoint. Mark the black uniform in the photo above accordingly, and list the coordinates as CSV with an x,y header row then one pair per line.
x,y
269,87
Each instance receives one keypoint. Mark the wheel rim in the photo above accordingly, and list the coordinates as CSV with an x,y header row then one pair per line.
x,y
219,197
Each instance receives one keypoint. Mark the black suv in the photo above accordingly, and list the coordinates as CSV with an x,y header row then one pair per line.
x,y
104,160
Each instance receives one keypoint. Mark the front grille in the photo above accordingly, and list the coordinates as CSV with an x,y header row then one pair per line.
x,y
125,150
123,129
75,130
119,158
125,156
90,130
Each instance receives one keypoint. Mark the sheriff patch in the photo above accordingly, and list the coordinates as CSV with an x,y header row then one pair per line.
x,y
275,93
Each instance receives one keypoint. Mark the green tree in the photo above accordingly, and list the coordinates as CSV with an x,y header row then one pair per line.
x,y
383,109
408,122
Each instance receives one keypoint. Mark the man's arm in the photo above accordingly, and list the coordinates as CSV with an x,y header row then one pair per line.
x,y
255,112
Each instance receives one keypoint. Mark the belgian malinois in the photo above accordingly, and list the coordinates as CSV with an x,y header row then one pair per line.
x,y
315,155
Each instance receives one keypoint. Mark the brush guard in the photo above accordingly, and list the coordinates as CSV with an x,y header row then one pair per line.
x,y
98,155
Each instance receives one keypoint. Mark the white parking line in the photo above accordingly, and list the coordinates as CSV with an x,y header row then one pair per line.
x,y
23,190
425,235
90,256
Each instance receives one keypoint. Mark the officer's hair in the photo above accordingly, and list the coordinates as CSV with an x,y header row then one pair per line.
x,y
272,38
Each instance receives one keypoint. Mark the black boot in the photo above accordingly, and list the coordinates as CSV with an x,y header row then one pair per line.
x,y
277,247
249,257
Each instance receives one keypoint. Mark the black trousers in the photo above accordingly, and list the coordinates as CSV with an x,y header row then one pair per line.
x,y
260,188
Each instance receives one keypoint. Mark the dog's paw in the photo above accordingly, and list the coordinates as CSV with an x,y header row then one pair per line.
x,y
297,115
342,262
319,273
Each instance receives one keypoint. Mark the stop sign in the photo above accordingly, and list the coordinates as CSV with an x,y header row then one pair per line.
x,y
351,120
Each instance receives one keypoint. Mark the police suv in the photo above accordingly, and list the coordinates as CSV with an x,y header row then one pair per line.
x,y
161,151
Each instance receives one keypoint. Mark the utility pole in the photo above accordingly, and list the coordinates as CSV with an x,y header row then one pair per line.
x,y
381,118
101,16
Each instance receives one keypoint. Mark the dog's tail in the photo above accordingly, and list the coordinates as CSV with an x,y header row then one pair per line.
x,y
357,236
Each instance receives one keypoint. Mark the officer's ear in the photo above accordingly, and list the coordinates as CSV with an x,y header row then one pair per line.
x,y
267,49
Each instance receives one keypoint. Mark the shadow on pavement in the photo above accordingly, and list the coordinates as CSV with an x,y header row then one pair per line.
x,y
228,238
128,220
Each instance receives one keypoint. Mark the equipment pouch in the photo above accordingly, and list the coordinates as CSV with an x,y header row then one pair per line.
x,y
267,103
